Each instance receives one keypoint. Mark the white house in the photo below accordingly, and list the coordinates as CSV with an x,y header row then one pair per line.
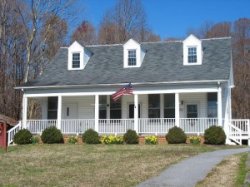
x,y
184,83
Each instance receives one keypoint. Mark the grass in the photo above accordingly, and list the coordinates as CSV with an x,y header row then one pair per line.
x,y
242,171
89,165
230,172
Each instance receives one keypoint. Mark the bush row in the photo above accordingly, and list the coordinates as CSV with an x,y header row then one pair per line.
x,y
214,135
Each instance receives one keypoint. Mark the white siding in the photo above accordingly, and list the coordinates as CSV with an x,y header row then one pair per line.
x,y
193,98
85,106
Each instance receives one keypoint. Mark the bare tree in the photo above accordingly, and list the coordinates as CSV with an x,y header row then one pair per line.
x,y
53,35
84,33
127,19
34,16
241,57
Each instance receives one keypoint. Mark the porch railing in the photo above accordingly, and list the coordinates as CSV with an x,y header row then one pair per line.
x,y
155,125
197,125
11,133
37,126
76,126
145,125
115,126
243,125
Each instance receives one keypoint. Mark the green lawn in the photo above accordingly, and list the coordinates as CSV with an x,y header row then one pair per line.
x,y
89,165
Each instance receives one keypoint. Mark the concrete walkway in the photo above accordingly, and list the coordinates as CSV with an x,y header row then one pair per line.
x,y
192,170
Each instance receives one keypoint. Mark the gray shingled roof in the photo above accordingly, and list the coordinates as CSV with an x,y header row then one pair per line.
x,y
163,62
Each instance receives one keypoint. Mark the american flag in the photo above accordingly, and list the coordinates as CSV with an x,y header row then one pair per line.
x,y
126,90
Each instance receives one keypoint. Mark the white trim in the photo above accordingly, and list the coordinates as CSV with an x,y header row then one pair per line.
x,y
177,109
59,112
120,84
25,108
195,90
219,38
96,112
219,106
162,105
136,113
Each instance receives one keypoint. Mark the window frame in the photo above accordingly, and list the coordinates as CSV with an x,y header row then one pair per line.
x,y
72,60
195,56
134,57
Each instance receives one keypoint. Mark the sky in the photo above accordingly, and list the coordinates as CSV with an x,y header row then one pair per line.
x,y
173,18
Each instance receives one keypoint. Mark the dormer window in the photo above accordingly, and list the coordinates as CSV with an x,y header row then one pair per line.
x,y
192,55
192,51
132,57
78,56
76,60
133,54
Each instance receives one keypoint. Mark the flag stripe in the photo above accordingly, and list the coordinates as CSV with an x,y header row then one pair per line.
x,y
126,90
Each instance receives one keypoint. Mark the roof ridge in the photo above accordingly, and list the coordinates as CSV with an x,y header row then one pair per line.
x,y
217,38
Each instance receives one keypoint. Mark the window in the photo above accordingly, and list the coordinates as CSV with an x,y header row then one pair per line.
x,y
192,111
76,60
115,109
192,55
132,58
169,106
212,105
154,106
52,107
103,107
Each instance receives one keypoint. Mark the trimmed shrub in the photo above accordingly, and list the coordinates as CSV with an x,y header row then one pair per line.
x,y
35,139
215,135
72,139
111,139
90,136
176,135
23,137
151,140
194,140
52,135
131,137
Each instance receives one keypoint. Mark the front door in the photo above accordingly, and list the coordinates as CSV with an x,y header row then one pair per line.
x,y
192,111
131,110
70,111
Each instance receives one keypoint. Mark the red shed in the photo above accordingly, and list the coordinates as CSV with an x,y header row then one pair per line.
x,y
5,124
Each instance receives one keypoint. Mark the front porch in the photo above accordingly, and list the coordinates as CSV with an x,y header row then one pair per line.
x,y
146,113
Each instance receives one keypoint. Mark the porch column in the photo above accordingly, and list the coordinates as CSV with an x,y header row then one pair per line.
x,y
177,109
59,111
136,112
161,105
25,107
96,112
108,107
219,106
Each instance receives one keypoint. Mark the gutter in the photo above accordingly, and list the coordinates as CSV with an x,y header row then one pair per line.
x,y
118,84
